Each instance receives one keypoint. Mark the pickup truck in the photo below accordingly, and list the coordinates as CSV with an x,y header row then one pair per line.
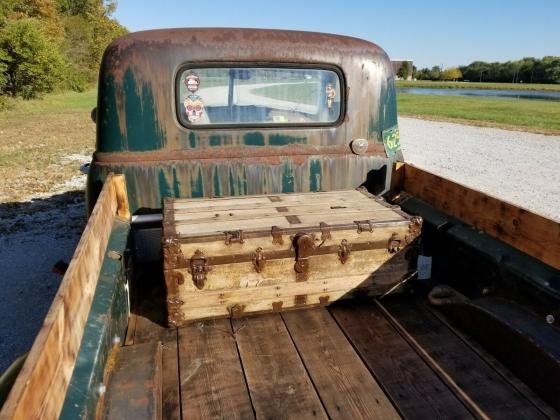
x,y
370,288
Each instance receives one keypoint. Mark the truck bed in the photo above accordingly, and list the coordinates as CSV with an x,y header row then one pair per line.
x,y
390,358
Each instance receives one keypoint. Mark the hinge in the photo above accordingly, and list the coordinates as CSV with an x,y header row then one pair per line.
x,y
304,244
234,236
198,268
344,251
277,236
364,226
414,229
325,231
259,260
394,243
172,255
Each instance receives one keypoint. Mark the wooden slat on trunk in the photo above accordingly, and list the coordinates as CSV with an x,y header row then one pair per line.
x,y
278,382
343,382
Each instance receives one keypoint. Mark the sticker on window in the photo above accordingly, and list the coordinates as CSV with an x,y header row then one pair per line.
x,y
258,96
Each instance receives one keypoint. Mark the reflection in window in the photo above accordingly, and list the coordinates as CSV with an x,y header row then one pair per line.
x,y
258,96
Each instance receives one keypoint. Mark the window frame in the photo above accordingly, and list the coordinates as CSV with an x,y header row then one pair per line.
x,y
270,65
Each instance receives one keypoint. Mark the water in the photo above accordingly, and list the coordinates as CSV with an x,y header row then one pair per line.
x,y
497,93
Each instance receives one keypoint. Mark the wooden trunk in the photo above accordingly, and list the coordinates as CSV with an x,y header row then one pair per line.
x,y
230,256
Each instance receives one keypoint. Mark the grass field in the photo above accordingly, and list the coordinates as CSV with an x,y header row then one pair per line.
x,y
530,115
302,93
41,142
476,85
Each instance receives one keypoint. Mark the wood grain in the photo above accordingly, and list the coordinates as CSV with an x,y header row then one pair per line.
x,y
134,388
486,389
520,228
415,390
277,380
344,384
171,392
40,388
275,200
212,381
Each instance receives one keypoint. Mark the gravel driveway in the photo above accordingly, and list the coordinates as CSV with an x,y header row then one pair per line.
x,y
522,168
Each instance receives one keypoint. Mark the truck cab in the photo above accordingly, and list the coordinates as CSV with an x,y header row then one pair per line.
x,y
189,113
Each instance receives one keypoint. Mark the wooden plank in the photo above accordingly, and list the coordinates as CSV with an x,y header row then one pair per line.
x,y
415,390
40,388
500,369
218,247
281,271
212,381
119,183
493,396
202,304
181,207
305,220
520,228
272,200
343,382
171,395
134,388
277,380
234,214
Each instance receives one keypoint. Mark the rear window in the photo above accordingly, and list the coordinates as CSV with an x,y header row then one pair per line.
x,y
258,96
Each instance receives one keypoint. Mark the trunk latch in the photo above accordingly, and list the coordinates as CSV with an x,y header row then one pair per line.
x,y
304,244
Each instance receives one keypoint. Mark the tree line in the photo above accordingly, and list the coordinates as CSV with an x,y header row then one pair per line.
x,y
526,70
47,45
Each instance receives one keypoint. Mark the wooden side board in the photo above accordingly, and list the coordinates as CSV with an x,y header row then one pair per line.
x,y
530,233
40,388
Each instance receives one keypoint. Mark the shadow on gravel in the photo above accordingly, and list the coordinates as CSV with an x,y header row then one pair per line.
x,y
65,211
34,235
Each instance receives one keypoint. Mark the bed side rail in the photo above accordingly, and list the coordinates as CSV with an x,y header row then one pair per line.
x,y
41,386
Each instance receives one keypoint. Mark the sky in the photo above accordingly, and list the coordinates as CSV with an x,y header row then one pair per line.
x,y
447,33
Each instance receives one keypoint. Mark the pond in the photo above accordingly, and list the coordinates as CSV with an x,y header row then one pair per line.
x,y
498,93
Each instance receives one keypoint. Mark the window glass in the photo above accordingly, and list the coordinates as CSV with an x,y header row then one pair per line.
x,y
258,96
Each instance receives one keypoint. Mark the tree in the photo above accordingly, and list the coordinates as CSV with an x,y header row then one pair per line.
x,y
31,64
451,74
405,70
435,73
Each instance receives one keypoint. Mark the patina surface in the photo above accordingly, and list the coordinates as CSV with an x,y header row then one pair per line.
x,y
138,132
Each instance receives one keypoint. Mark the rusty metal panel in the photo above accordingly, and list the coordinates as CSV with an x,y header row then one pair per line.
x,y
138,132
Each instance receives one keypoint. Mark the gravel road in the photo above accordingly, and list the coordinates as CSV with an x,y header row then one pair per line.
x,y
522,168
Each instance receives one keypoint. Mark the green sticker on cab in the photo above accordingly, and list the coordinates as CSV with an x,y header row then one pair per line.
x,y
391,141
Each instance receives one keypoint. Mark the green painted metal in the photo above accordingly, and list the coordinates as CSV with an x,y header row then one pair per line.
x,y
107,319
147,185
391,141
9,377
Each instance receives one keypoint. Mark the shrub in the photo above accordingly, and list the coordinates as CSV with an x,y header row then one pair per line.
x,y
30,63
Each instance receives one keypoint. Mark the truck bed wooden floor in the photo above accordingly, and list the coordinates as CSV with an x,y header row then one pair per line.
x,y
389,359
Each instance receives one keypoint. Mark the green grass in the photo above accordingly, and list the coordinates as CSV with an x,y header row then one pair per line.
x,y
36,135
529,115
476,85
302,93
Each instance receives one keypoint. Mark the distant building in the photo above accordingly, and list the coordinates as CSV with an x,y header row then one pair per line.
x,y
397,64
